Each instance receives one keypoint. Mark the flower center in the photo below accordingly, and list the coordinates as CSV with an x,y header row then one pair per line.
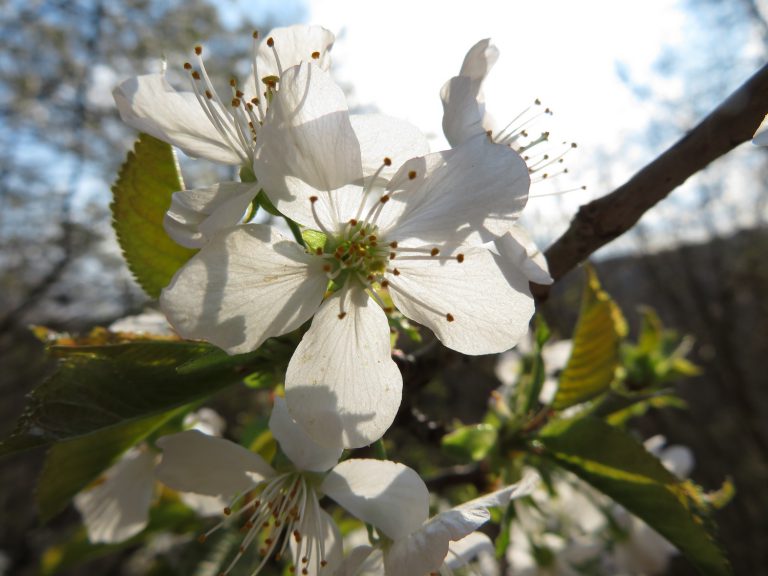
x,y
285,509
356,252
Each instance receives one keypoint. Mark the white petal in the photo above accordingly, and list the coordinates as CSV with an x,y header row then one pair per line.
x,y
678,460
463,109
195,462
425,550
150,104
416,555
362,561
519,251
204,505
502,497
388,495
205,420
196,215
246,285
307,142
386,137
294,45
342,385
488,312
469,194
118,508
464,114
325,529
463,551
479,60
301,449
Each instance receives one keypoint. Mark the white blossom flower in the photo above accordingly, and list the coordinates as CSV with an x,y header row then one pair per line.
x,y
283,506
411,543
465,117
413,232
204,124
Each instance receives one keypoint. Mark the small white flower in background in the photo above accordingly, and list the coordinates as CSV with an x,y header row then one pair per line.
x,y
151,322
284,506
555,356
204,124
117,507
413,544
388,222
761,135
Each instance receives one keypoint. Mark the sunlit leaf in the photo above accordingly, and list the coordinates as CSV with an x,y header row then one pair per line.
x,y
473,442
141,196
636,409
596,342
620,467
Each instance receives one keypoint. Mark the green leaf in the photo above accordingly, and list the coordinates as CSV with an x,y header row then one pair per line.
x,y
620,467
473,442
141,196
96,387
640,408
596,343
71,465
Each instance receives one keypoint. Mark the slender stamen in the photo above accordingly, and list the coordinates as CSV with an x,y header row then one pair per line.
x,y
271,44
222,125
313,200
369,186
254,57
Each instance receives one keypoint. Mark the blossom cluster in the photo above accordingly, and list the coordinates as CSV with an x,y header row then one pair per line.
x,y
374,228
381,226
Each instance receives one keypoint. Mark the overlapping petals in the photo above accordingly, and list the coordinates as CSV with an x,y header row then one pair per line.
x,y
416,229
198,122
417,545
287,506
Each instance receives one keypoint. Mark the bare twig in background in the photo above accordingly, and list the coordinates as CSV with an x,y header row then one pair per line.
x,y
605,219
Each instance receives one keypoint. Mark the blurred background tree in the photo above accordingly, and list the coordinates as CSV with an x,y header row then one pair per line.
x,y
61,142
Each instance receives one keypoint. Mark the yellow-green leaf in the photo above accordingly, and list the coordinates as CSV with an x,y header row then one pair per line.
x,y
473,442
141,196
595,358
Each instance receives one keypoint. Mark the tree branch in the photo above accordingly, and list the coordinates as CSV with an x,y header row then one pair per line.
x,y
601,221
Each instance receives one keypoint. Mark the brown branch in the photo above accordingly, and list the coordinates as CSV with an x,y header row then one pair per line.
x,y
605,219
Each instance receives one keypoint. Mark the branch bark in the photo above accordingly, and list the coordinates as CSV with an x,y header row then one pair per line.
x,y
605,219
